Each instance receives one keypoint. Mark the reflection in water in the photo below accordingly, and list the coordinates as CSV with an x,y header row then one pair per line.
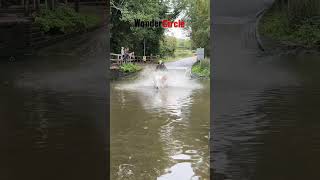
x,y
158,133
266,119
180,171
52,112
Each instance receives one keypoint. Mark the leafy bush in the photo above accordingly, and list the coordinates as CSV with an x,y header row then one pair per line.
x,y
64,20
168,46
178,54
130,68
202,68
306,32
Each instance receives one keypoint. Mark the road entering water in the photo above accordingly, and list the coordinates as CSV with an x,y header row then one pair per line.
x,y
265,117
160,133
53,112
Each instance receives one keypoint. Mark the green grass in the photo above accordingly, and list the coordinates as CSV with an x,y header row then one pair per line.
x,y
202,68
306,32
130,68
65,20
178,54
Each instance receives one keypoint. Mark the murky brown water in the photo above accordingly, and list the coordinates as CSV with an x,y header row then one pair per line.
x,y
265,123
53,111
160,134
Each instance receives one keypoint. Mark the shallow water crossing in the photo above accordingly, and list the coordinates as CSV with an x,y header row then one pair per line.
x,y
160,133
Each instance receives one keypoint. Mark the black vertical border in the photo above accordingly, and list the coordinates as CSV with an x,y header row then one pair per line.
x,y
107,60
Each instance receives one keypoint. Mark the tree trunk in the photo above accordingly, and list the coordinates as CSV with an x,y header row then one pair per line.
x,y
37,5
27,7
50,3
76,5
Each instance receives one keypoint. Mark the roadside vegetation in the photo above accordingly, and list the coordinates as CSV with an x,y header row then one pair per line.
x,y
293,22
63,20
201,68
172,49
198,20
130,68
123,34
178,54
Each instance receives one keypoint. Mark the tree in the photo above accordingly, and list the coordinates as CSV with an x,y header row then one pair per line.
x,y
298,10
198,18
123,34
168,46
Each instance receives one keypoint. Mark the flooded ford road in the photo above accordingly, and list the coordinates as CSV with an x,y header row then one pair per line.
x,y
53,112
160,133
266,122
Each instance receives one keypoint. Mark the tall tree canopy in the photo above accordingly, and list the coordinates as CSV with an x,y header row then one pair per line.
x,y
124,12
198,18
123,34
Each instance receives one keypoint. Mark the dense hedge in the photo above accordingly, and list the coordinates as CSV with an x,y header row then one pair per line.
x,y
130,68
202,68
64,20
305,32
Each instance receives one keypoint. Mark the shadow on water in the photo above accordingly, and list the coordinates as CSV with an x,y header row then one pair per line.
x,y
52,111
160,133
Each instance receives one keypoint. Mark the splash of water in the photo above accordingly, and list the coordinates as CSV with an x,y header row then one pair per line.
x,y
173,78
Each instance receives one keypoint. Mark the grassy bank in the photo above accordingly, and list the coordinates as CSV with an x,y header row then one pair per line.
x,y
202,68
178,54
130,68
275,25
64,20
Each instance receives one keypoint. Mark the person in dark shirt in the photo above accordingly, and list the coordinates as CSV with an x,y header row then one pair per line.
x,y
161,66
162,77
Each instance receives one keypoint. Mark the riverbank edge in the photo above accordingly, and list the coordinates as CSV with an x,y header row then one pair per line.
x,y
30,48
60,38
195,75
270,45
116,74
259,16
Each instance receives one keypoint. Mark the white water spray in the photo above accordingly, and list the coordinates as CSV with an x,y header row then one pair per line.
x,y
174,78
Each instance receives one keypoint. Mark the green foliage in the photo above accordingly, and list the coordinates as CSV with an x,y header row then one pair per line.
x,y
123,34
298,10
130,68
168,46
202,68
183,53
307,33
64,20
178,54
172,49
276,24
184,44
198,17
